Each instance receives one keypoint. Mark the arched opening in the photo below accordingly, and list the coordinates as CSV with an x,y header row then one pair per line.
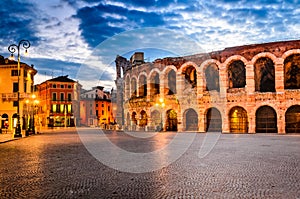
x,y
238,120
292,119
4,120
292,72
237,74
191,120
212,78
266,120
190,76
15,120
142,86
213,120
171,123
171,82
133,118
143,119
156,120
154,84
264,74
133,88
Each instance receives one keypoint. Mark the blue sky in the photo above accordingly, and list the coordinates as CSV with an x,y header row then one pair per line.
x,y
67,35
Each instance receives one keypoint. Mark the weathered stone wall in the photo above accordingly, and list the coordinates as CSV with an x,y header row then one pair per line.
x,y
249,88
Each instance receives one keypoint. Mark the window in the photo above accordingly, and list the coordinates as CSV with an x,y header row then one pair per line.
x,y
69,108
14,72
54,96
91,112
62,96
96,104
97,113
25,87
69,97
15,87
62,108
57,108
54,86
102,112
108,108
25,73
69,86
15,103
61,86
102,104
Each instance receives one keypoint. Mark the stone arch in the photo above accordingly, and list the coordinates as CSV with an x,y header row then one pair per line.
x,y
238,120
133,87
171,120
213,120
212,77
266,120
190,118
264,75
264,54
290,52
142,85
154,80
292,71
189,70
4,120
165,79
187,64
233,58
236,71
292,119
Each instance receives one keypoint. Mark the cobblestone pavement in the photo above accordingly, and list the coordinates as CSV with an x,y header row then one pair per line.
x,y
57,165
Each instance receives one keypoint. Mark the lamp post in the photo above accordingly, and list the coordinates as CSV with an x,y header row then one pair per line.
x,y
33,103
12,49
161,104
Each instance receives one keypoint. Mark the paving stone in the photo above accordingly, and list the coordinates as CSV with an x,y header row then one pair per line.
x,y
57,165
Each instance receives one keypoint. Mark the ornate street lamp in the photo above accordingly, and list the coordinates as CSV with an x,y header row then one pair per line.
x,y
12,49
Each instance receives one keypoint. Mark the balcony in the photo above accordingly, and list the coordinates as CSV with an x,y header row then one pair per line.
x,y
13,96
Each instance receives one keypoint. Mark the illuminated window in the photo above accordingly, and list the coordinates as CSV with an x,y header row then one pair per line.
x,y
54,108
62,106
69,108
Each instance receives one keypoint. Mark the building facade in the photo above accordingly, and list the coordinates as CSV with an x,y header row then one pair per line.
x,y
59,102
9,92
96,108
244,89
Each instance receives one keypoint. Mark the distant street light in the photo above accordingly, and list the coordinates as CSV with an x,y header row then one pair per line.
x,y
12,49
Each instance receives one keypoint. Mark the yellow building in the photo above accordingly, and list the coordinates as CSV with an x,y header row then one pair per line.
x,y
9,91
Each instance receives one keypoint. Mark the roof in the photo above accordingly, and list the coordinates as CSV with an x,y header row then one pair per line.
x,y
61,79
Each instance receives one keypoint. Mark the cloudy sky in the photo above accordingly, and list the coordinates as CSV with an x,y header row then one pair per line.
x,y
81,38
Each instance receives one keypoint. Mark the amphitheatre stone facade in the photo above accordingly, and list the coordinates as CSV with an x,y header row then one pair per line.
x,y
244,89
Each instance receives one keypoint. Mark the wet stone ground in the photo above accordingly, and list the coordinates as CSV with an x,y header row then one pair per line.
x,y
57,165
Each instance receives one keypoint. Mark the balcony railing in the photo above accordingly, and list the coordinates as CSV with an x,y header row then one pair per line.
x,y
13,96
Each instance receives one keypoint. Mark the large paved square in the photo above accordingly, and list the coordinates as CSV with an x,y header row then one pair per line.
x,y
57,165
